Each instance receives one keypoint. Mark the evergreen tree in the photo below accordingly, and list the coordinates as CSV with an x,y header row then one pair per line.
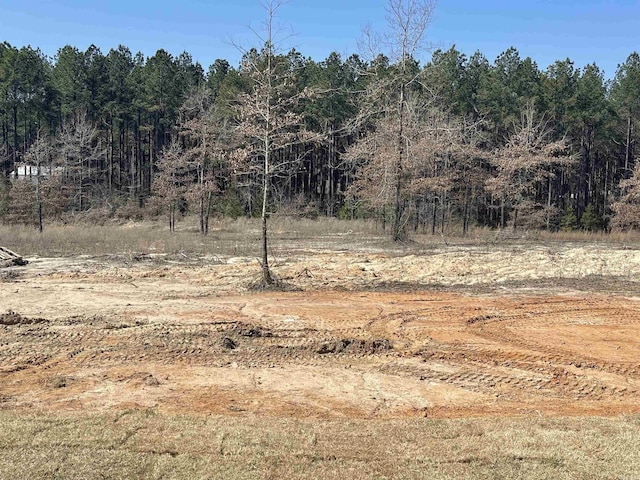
x,y
625,95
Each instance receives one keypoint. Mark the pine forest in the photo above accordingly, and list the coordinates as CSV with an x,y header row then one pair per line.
x,y
439,146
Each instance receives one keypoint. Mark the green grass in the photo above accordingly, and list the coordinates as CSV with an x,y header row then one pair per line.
x,y
147,445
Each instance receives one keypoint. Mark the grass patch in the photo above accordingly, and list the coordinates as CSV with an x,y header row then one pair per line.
x,y
139,444
239,237
288,236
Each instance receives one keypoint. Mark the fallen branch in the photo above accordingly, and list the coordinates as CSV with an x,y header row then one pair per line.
x,y
10,259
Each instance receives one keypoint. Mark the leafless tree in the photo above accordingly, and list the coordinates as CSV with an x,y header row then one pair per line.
x,y
447,164
82,155
40,152
389,99
441,152
172,180
626,211
208,136
527,161
268,121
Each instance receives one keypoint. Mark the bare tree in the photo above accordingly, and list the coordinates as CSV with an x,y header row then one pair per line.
x,y
269,125
446,165
39,153
440,150
627,209
526,164
172,180
209,137
389,99
83,156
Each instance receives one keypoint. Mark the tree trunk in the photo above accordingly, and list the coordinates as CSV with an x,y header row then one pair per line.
x,y
627,156
384,218
398,228
110,157
201,199
267,279
172,218
207,213
606,188
443,205
332,154
15,137
465,215
585,168
434,215
81,183
549,206
39,198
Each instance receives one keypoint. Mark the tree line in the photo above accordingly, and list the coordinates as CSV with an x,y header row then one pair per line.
x,y
454,142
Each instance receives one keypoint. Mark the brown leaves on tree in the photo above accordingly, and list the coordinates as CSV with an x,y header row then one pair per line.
x,y
172,181
627,209
529,160
206,131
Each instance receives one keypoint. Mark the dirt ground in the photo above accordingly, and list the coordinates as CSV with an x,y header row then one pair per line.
x,y
454,332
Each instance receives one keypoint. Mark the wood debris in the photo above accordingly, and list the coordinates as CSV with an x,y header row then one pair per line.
x,y
10,259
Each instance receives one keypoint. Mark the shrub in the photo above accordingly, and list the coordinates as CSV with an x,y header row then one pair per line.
x,y
590,220
569,222
4,195
22,203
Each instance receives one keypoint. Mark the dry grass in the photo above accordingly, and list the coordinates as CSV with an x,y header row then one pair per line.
x,y
580,236
241,237
139,444
484,235
145,444
227,237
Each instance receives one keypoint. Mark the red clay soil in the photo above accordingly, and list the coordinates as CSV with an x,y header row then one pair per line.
x,y
79,341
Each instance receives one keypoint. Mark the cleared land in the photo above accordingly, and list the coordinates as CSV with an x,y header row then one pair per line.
x,y
497,360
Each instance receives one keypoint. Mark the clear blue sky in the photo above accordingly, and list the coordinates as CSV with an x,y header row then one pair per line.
x,y
601,31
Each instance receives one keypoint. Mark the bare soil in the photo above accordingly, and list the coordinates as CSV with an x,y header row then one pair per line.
x,y
453,332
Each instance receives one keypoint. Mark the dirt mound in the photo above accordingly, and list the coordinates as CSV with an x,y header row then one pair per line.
x,y
353,346
13,318
250,330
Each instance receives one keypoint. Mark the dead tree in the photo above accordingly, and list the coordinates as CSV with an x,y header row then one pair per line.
x,y
172,180
626,211
38,154
82,155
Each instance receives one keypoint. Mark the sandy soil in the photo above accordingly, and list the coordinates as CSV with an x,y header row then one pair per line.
x,y
454,332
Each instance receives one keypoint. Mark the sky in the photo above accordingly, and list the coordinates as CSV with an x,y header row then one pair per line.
x,y
586,31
